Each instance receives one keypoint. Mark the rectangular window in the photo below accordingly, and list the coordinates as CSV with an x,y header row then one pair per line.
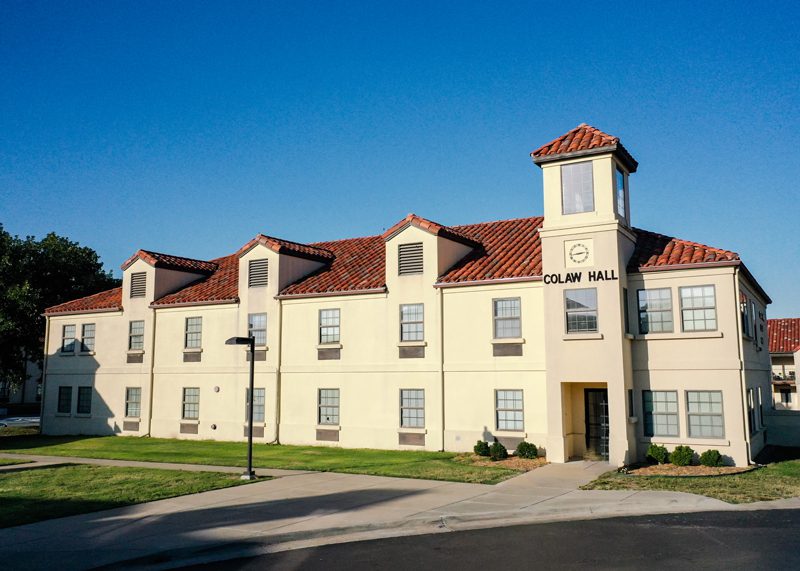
x,y
258,273
329,326
660,413
577,188
409,259
328,406
194,332
619,179
655,310
698,308
68,339
257,327
136,335
581,310
705,414
138,284
64,400
751,411
507,321
626,310
747,321
412,408
631,411
84,405
191,403
508,407
258,404
87,337
786,397
412,322
133,402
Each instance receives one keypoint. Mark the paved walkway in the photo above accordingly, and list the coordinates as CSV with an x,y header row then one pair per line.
x,y
299,509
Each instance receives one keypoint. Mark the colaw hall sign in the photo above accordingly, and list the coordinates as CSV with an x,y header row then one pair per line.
x,y
593,276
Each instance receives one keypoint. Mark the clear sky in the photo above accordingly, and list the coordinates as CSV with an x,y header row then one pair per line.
x,y
189,127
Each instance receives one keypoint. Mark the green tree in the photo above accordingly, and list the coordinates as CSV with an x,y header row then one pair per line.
x,y
34,275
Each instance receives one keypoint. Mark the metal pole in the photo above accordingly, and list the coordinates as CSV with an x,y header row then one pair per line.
x,y
250,474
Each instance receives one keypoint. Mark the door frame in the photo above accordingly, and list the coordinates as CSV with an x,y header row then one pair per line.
x,y
586,393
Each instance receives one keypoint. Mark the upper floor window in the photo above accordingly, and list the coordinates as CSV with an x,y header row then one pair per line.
x,y
257,273
507,321
581,310
619,184
194,332
409,259
655,310
412,322
257,327
138,284
87,337
136,335
68,339
328,326
698,308
577,188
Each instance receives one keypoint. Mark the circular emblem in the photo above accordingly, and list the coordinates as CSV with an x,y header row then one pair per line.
x,y
579,253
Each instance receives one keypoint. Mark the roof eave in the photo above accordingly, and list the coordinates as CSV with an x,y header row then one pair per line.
x,y
617,149
228,301
81,311
365,291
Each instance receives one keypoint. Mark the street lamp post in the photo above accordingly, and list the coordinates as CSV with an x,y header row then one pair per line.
x,y
250,474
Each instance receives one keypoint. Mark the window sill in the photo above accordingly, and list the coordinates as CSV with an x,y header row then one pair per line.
x,y
674,440
633,419
629,336
412,344
86,353
257,424
329,346
190,421
258,348
133,418
67,354
687,335
193,350
335,427
63,414
510,433
509,340
77,415
581,336
135,351
410,430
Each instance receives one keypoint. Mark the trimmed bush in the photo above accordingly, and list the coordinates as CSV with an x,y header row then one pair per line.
x,y
681,456
711,458
527,450
497,451
658,453
481,448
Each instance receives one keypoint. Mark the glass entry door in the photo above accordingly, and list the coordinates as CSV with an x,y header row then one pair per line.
x,y
596,405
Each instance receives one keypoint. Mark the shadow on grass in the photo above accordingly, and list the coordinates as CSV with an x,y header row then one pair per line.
x,y
21,511
28,441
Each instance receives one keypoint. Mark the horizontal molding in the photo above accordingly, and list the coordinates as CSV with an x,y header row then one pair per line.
x,y
582,336
509,340
678,336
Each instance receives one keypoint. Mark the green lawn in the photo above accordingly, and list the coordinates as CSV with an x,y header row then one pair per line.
x,y
775,481
404,464
38,494
10,462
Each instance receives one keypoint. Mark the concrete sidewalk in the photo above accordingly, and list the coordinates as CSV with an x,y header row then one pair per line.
x,y
299,509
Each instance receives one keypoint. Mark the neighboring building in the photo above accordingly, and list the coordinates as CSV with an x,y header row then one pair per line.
x,y
575,331
27,393
784,352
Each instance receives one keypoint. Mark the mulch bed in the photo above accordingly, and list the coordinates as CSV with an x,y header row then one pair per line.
x,y
683,471
511,463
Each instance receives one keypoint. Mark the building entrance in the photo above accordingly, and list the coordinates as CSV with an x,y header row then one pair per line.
x,y
596,407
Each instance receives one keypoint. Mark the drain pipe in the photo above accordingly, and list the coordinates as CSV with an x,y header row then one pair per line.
x,y
277,439
441,358
152,373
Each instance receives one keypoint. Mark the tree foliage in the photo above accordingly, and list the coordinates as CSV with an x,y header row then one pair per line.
x,y
36,274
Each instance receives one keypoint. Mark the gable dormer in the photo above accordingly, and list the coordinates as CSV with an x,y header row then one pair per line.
x,y
148,276
419,250
585,174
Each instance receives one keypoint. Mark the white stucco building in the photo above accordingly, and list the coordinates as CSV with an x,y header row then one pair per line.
x,y
575,331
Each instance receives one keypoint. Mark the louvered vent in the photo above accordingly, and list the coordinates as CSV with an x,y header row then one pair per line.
x,y
138,284
257,274
410,259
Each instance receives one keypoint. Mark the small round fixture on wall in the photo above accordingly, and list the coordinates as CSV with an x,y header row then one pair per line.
x,y
213,427
216,389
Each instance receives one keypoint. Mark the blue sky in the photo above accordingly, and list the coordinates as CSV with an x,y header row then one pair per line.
x,y
190,127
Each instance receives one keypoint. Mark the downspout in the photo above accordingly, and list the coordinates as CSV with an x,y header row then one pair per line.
x,y
441,357
152,373
742,381
44,373
277,439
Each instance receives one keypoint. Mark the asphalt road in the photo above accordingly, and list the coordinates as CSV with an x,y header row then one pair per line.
x,y
711,540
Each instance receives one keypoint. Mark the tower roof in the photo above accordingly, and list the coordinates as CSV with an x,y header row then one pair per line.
x,y
583,140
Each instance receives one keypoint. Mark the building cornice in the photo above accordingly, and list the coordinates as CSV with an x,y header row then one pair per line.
x,y
333,293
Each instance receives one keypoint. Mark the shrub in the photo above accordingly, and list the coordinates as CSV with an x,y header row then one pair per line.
x,y
681,456
481,448
527,450
497,451
711,458
658,453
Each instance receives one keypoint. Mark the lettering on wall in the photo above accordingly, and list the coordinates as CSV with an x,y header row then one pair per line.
x,y
592,276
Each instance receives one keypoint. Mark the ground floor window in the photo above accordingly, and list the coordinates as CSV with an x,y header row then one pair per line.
x,y
328,406
191,403
84,405
259,400
133,402
751,410
705,414
64,400
660,413
508,409
786,397
412,408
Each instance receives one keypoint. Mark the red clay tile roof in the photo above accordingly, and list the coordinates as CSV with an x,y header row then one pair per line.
x,y
110,300
784,335
170,262
656,250
287,247
582,139
221,286
431,227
